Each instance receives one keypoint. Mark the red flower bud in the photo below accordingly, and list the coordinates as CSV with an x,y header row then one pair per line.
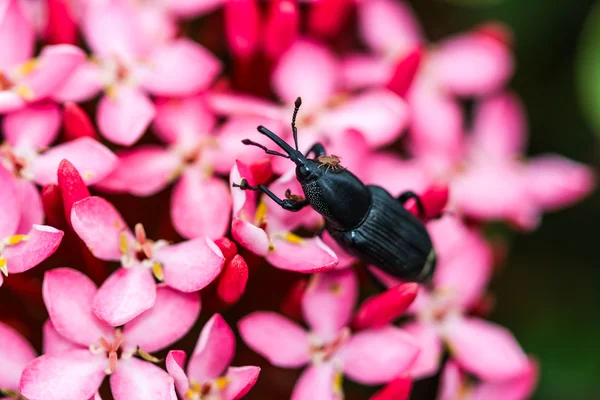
x,y
434,200
232,282
291,305
398,389
326,17
405,72
281,27
77,123
242,22
72,187
61,27
53,206
227,247
380,310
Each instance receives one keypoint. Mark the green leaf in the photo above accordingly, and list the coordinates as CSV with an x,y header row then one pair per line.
x,y
588,68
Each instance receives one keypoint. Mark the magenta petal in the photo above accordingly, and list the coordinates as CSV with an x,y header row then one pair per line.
x,y
73,375
15,353
124,115
68,296
279,340
54,342
41,242
377,356
175,363
485,349
241,380
16,35
310,256
171,317
430,343
242,23
136,379
212,217
328,302
99,225
191,265
142,171
316,382
281,27
9,212
33,127
30,201
178,68
183,121
92,159
214,350
308,70
127,293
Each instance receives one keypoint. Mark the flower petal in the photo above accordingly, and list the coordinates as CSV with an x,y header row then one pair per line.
x,y
142,171
251,237
73,375
485,349
68,296
316,382
192,8
308,70
243,105
183,121
15,353
135,379
430,343
212,218
360,71
9,212
519,388
242,23
382,309
32,128
92,159
397,389
124,295
54,342
10,101
175,363
124,115
214,350
83,84
310,256
240,381
71,186
191,265
16,35
279,340
42,241
30,201
451,382
328,302
76,122
171,317
178,68
234,278
281,27
377,356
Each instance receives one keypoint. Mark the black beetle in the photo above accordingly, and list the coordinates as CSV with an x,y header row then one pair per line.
x,y
365,220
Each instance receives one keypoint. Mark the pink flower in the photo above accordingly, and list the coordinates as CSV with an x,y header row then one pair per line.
x,y
370,357
464,268
187,266
456,386
15,353
81,350
130,67
266,229
208,372
24,79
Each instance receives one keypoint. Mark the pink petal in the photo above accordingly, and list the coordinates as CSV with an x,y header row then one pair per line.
x,y
473,64
54,342
556,182
214,350
83,84
310,256
32,211
212,217
191,265
99,225
73,375
178,68
281,27
316,382
243,105
387,26
135,379
430,343
171,317
9,214
279,340
308,70
241,380
10,101
183,121
485,349
15,352
142,171
360,71
328,302
242,23
344,259
93,160
175,363
382,309
55,65
124,115
451,382
519,388
249,236
380,115
16,35
377,356
31,128
68,296
124,295
41,243
192,8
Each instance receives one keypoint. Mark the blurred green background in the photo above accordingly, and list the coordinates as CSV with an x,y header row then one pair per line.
x,y
549,291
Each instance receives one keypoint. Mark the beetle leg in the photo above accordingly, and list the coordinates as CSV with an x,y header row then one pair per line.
x,y
404,197
316,148
287,204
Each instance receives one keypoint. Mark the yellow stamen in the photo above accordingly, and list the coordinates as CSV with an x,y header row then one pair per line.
x,y
338,379
261,212
25,92
194,391
16,239
271,247
3,266
28,66
158,272
293,238
335,288
148,357
87,175
123,246
221,382
111,92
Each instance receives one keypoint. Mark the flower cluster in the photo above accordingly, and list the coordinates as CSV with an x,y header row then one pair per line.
x,y
127,101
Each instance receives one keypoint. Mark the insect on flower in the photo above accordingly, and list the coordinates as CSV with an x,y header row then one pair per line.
x,y
365,220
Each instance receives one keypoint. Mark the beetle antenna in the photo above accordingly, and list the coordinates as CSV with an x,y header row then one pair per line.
x,y
268,151
297,105
294,155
